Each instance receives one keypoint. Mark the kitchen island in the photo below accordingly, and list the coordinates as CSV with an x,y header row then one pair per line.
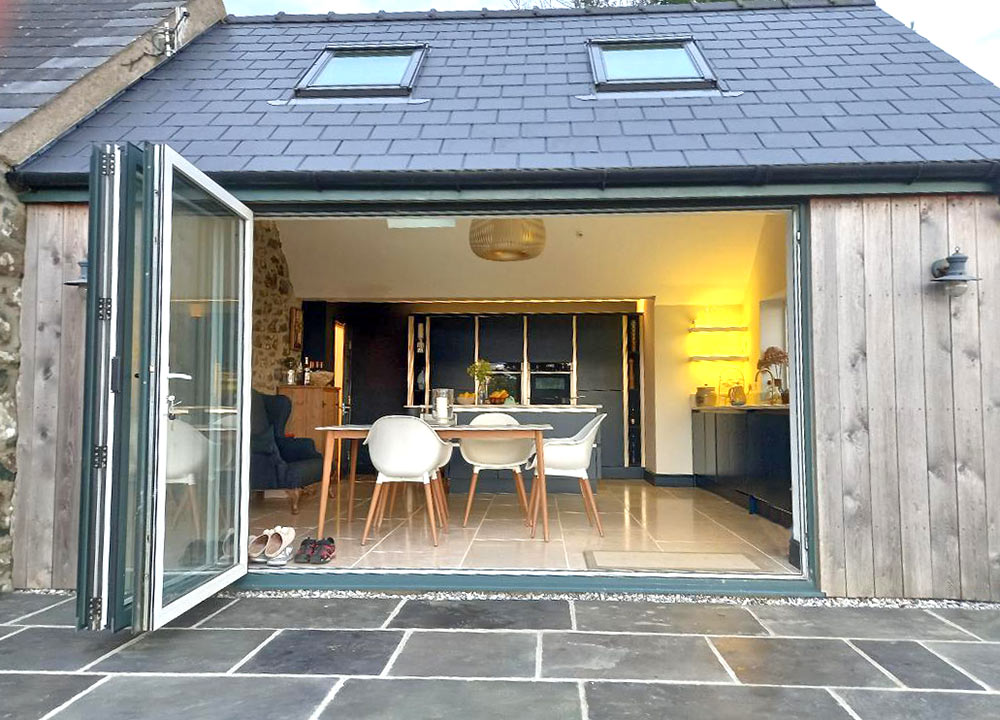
x,y
566,421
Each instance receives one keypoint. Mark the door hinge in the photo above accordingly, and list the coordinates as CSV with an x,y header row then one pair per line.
x,y
107,163
94,616
104,308
99,460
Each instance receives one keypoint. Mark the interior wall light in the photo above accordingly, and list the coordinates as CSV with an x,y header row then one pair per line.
x,y
951,273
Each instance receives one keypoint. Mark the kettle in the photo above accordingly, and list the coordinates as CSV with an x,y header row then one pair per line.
x,y
737,396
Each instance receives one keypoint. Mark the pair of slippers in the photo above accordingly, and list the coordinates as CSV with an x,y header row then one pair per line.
x,y
316,552
273,546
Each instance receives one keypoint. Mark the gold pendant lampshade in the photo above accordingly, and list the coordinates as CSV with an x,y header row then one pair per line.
x,y
506,239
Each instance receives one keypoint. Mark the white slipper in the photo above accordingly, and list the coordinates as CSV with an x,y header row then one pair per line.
x,y
282,557
281,538
257,545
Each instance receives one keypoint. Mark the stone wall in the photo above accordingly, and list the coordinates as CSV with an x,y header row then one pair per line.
x,y
273,297
12,226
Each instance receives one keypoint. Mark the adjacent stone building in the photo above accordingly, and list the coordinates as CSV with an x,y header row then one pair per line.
x,y
60,60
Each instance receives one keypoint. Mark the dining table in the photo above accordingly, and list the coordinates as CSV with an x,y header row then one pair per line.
x,y
355,434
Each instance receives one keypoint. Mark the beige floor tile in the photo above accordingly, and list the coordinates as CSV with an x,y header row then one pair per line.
x,y
506,554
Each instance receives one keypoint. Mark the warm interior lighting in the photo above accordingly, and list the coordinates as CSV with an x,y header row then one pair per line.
x,y
507,239
731,342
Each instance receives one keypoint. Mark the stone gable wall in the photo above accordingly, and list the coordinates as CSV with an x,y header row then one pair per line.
x,y
273,297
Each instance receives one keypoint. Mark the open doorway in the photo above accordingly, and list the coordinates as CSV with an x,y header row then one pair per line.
x,y
677,328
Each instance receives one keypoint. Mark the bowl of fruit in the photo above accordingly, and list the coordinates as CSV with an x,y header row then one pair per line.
x,y
466,398
498,397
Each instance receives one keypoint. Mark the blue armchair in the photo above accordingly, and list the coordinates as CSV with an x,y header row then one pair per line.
x,y
278,462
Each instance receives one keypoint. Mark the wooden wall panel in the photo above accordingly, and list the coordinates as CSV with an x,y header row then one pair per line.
x,y
50,385
916,421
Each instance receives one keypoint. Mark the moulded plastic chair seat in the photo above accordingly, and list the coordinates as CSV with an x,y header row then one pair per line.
x,y
570,457
496,454
405,449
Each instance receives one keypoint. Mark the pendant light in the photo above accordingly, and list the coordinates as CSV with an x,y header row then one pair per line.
x,y
507,239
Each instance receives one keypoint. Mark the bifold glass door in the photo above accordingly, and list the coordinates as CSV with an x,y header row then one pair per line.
x,y
166,468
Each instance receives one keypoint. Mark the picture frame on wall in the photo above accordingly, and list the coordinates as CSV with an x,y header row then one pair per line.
x,y
295,329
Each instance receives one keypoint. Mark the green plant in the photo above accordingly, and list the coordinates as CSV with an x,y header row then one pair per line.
x,y
481,372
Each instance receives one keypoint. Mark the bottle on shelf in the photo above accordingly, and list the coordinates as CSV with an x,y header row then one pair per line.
x,y
306,372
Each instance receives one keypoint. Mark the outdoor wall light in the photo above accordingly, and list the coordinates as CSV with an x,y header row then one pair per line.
x,y
82,280
507,239
950,271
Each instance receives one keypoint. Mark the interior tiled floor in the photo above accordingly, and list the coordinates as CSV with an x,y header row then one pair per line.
x,y
646,528
252,658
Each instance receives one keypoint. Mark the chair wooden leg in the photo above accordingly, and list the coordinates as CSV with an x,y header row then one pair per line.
x,y
382,502
472,494
192,493
522,498
532,501
439,502
429,499
444,493
392,499
586,505
376,495
589,499
293,499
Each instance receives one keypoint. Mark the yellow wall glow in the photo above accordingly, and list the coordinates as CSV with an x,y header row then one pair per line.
x,y
718,343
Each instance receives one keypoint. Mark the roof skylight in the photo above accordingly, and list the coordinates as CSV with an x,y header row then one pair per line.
x,y
362,71
623,64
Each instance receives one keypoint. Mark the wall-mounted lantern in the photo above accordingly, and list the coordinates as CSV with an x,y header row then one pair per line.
x,y
951,272
82,280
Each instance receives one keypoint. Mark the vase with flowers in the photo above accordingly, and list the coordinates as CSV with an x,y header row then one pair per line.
x,y
481,371
774,362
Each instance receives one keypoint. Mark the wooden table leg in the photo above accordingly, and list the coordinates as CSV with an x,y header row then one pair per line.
x,y
540,478
355,447
328,449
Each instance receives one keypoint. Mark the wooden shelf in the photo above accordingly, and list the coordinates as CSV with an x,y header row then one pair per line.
x,y
718,358
718,328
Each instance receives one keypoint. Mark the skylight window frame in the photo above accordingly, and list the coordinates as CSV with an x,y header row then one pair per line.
x,y
306,89
705,80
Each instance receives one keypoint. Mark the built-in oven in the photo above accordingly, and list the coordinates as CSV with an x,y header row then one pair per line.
x,y
506,377
549,383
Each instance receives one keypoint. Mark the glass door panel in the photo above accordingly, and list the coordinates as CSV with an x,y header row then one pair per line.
x,y
204,360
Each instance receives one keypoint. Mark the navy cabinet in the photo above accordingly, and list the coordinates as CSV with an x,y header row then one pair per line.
x,y
550,338
452,350
745,456
599,352
501,338
612,431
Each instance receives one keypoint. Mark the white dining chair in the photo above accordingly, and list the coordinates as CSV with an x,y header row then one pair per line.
x,y
405,449
496,454
570,457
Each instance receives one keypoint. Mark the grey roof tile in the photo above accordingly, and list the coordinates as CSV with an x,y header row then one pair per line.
x,y
813,85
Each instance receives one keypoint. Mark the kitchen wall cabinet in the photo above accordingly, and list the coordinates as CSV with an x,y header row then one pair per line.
x,y
501,338
599,352
452,350
550,338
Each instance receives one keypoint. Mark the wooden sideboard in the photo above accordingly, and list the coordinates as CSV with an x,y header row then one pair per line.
x,y
312,406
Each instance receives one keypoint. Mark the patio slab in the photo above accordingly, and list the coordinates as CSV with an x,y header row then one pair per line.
x,y
980,660
984,624
454,700
279,613
187,698
667,618
915,666
30,697
59,649
872,705
325,652
484,615
16,605
467,654
627,701
184,651
630,657
777,661
867,623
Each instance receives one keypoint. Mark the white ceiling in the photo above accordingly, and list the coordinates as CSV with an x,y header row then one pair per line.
x,y
679,258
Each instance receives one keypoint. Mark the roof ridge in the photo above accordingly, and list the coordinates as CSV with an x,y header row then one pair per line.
x,y
432,14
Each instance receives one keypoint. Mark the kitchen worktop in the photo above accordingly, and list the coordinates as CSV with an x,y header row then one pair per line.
x,y
517,408
737,408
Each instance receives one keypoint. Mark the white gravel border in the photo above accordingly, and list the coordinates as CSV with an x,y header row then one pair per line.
x,y
624,597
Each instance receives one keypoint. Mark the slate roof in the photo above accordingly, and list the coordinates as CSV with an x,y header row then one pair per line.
x,y
816,90
47,45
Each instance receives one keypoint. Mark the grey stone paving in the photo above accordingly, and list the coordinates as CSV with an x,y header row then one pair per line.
x,y
359,658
